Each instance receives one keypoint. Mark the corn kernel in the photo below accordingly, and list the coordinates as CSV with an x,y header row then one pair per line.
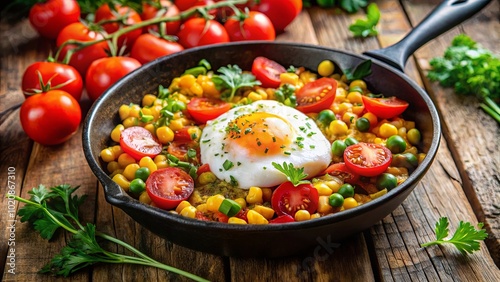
x,y
358,83
150,127
256,218
254,96
148,100
236,220
121,181
182,205
386,130
186,81
144,198
107,155
116,132
129,171
196,89
357,109
149,163
124,111
315,215
202,208
206,178
372,118
254,195
242,202
188,211
134,111
338,127
324,205
289,78
266,212
355,97
112,166
125,159
165,134
266,194
334,184
323,189
176,124
350,203
349,118
302,215
117,150
130,121
214,202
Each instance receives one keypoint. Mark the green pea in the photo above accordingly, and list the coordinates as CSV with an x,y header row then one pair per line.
x,y
142,173
137,186
386,181
363,124
346,190
338,148
350,141
396,144
326,116
413,136
407,160
336,200
356,89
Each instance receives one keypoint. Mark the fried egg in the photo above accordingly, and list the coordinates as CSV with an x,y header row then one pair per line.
x,y
241,144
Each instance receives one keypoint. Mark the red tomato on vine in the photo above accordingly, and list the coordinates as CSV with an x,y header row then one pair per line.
x,y
40,75
252,26
50,17
149,47
81,59
50,118
199,32
163,8
104,72
280,12
104,13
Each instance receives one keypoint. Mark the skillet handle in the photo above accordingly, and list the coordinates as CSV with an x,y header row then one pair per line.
x,y
445,16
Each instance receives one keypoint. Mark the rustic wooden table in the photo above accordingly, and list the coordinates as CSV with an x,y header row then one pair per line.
x,y
462,184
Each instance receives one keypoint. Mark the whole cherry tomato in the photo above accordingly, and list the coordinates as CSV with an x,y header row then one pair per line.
x,y
50,17
198,32
50,118
104,12
280,12
148,47
104,72
81,59
163,8
252,26
183,5
52,75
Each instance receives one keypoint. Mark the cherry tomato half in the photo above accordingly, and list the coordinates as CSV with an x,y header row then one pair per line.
x,y
255,26
56,74
367,159
267,72
148,47
285,218
198,32
167,187
205,109
50,17
317,95
138,142
104,72
51,117
288,199
385,107
81,59
340,170
179,149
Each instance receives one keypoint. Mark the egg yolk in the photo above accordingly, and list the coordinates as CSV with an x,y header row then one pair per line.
x,y
260,133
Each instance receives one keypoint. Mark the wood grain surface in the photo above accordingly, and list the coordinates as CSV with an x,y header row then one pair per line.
x,y
462,184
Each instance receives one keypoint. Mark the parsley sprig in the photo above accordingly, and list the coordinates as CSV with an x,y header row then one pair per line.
x,y
50,209
232,78
295,175
466,238
367,27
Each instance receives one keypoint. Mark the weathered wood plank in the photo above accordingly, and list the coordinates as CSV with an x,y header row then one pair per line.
x,y
473,136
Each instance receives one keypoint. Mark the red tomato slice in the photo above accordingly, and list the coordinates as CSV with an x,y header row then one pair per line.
x,y
282,219
340,170
288,199
367,159
203,168
317,95
138,142
267,72
385,107
183,135
179,149
205,109
167,187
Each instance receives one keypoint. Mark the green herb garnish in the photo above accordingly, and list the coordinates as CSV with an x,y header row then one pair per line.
x,y
50,209
360,71
367,27
231,79
466,238
470,70
295,175
286,95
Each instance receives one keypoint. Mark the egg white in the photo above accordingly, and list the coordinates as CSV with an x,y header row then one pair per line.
x,y
251,165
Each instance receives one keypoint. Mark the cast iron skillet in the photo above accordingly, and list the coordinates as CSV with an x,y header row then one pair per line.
x,y
280,239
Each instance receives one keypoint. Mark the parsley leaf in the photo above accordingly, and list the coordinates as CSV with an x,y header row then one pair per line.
x,y
231,79
294,175
471,70
353,6
50,209
466,238
360,71
367,27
